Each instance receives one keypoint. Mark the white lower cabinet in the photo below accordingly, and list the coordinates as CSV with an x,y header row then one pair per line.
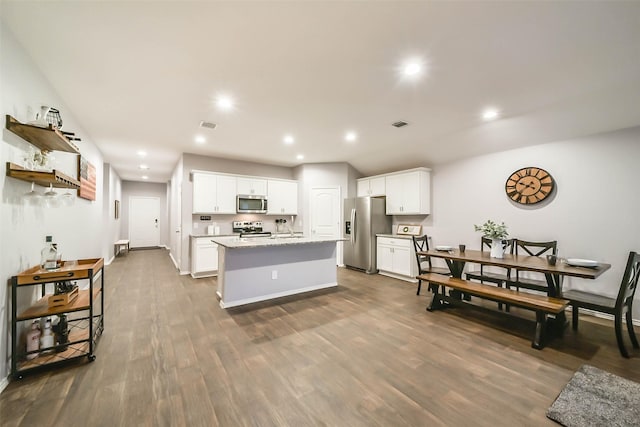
x,y
396,258
204,257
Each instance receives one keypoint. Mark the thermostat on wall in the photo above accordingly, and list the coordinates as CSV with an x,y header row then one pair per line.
x,y
408,229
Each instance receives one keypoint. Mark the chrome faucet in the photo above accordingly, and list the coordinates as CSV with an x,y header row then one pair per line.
x,y
290,226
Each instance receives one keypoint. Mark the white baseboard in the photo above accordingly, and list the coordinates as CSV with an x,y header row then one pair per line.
x,y
276,295
3,384
398,276
636,322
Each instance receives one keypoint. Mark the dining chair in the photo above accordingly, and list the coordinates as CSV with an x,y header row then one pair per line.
x,y
619,306
421,244
498,278
524,247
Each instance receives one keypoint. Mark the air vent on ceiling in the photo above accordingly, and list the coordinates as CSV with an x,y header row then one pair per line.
x,y
399,124
209,125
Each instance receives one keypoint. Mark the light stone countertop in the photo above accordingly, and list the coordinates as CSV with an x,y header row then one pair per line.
x,y
197,236
235,242
395,236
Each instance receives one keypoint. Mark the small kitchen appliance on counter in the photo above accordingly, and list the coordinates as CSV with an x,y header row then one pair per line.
x,y
408,230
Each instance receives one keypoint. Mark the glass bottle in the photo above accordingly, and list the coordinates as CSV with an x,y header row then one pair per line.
x,y
49,255
33,340
46,340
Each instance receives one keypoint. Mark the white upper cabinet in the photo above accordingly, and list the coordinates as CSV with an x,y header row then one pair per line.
x,y
408,193
252,186
214,194
282,197
372,186
226,194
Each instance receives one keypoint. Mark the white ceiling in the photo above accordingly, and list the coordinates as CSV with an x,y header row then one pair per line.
x,y
142,75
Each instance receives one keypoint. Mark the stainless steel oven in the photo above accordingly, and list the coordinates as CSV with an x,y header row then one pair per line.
x,y
248,203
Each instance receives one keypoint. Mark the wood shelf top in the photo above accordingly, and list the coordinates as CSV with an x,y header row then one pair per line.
x,y
41,307
49,138
44,179
70,270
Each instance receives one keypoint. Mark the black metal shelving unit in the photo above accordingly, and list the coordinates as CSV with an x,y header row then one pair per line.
x,y
85,317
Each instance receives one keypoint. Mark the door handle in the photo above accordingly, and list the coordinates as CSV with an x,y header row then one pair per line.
x,y
354,226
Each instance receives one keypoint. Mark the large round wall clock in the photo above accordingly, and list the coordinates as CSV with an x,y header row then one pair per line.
x,y
529,185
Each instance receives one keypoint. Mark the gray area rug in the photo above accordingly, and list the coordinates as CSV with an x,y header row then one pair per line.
x,y
595,397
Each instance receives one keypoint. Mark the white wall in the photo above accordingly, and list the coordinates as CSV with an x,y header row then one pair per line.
x,y
593,215
145,189
175,214
79,230
112,192
319,175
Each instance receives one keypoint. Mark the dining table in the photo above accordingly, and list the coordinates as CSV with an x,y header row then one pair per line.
x,y
554,274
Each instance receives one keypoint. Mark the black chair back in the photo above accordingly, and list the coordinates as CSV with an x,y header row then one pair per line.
x,y
421,244
524,247
629,281
536,248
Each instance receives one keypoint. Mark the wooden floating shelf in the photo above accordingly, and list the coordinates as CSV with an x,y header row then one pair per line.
x,y
49,138
54,178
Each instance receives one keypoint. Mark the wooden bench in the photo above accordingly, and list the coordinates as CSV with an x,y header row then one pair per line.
x,y
541,304
119,246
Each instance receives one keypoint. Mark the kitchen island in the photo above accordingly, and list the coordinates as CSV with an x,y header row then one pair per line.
x,y
259,269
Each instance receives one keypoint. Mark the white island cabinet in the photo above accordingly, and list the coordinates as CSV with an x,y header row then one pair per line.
x,y
259,269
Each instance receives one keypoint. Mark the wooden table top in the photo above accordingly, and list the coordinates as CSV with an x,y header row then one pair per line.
x,y
521,262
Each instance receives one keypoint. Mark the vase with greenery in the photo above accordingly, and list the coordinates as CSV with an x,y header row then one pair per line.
x,y
497,233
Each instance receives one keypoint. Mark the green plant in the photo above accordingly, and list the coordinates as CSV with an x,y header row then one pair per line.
x,y
493,230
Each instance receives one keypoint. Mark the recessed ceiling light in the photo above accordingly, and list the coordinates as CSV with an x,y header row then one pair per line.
x,y
350,136
300,157
145,167
200,139
224,103
142,153
145,177
490,114
288,139
412,68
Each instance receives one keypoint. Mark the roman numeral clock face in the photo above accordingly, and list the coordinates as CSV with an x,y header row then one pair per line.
x,y
529,185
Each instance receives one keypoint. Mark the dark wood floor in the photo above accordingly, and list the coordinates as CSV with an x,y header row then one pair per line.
x,y
365,354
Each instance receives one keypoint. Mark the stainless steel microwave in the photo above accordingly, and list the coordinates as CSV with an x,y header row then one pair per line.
x,y
248,203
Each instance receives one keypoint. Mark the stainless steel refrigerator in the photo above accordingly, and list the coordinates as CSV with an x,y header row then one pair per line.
x,y
364,217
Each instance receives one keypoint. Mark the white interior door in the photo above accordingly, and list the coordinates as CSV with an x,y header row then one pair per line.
x,y
324,215
144,222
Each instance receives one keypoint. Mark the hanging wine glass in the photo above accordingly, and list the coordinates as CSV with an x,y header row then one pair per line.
x,y
67,199
32,197
51,197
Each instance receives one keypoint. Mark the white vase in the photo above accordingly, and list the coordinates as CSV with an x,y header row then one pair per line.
x,y
497,251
